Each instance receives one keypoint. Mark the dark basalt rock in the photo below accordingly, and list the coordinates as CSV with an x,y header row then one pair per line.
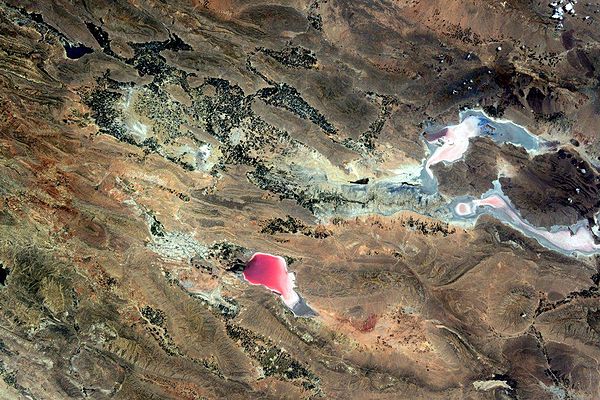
x,y
427,228
155,316
314,18
229,254
101,37
273,360
156,228
292,225
285,96
294,57
3,274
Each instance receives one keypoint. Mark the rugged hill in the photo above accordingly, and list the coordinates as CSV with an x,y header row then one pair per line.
x,y
149,148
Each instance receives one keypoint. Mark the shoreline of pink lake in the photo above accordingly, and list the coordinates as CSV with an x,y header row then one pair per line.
x,y
271,272
578,240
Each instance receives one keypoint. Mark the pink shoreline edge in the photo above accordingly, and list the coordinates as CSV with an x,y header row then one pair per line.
x,y
581,240
455,142
271,272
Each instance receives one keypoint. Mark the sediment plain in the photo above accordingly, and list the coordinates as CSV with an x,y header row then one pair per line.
x,y
148,149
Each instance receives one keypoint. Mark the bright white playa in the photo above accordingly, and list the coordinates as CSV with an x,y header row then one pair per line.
x,y
576,238
453,141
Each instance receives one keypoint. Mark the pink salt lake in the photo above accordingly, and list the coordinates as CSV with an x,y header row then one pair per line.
x,y
581,240
454,142
271,272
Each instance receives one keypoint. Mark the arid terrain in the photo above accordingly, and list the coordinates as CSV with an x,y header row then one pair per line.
x,y
149,148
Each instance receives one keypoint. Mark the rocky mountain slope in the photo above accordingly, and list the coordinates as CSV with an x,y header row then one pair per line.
x,y
149,148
